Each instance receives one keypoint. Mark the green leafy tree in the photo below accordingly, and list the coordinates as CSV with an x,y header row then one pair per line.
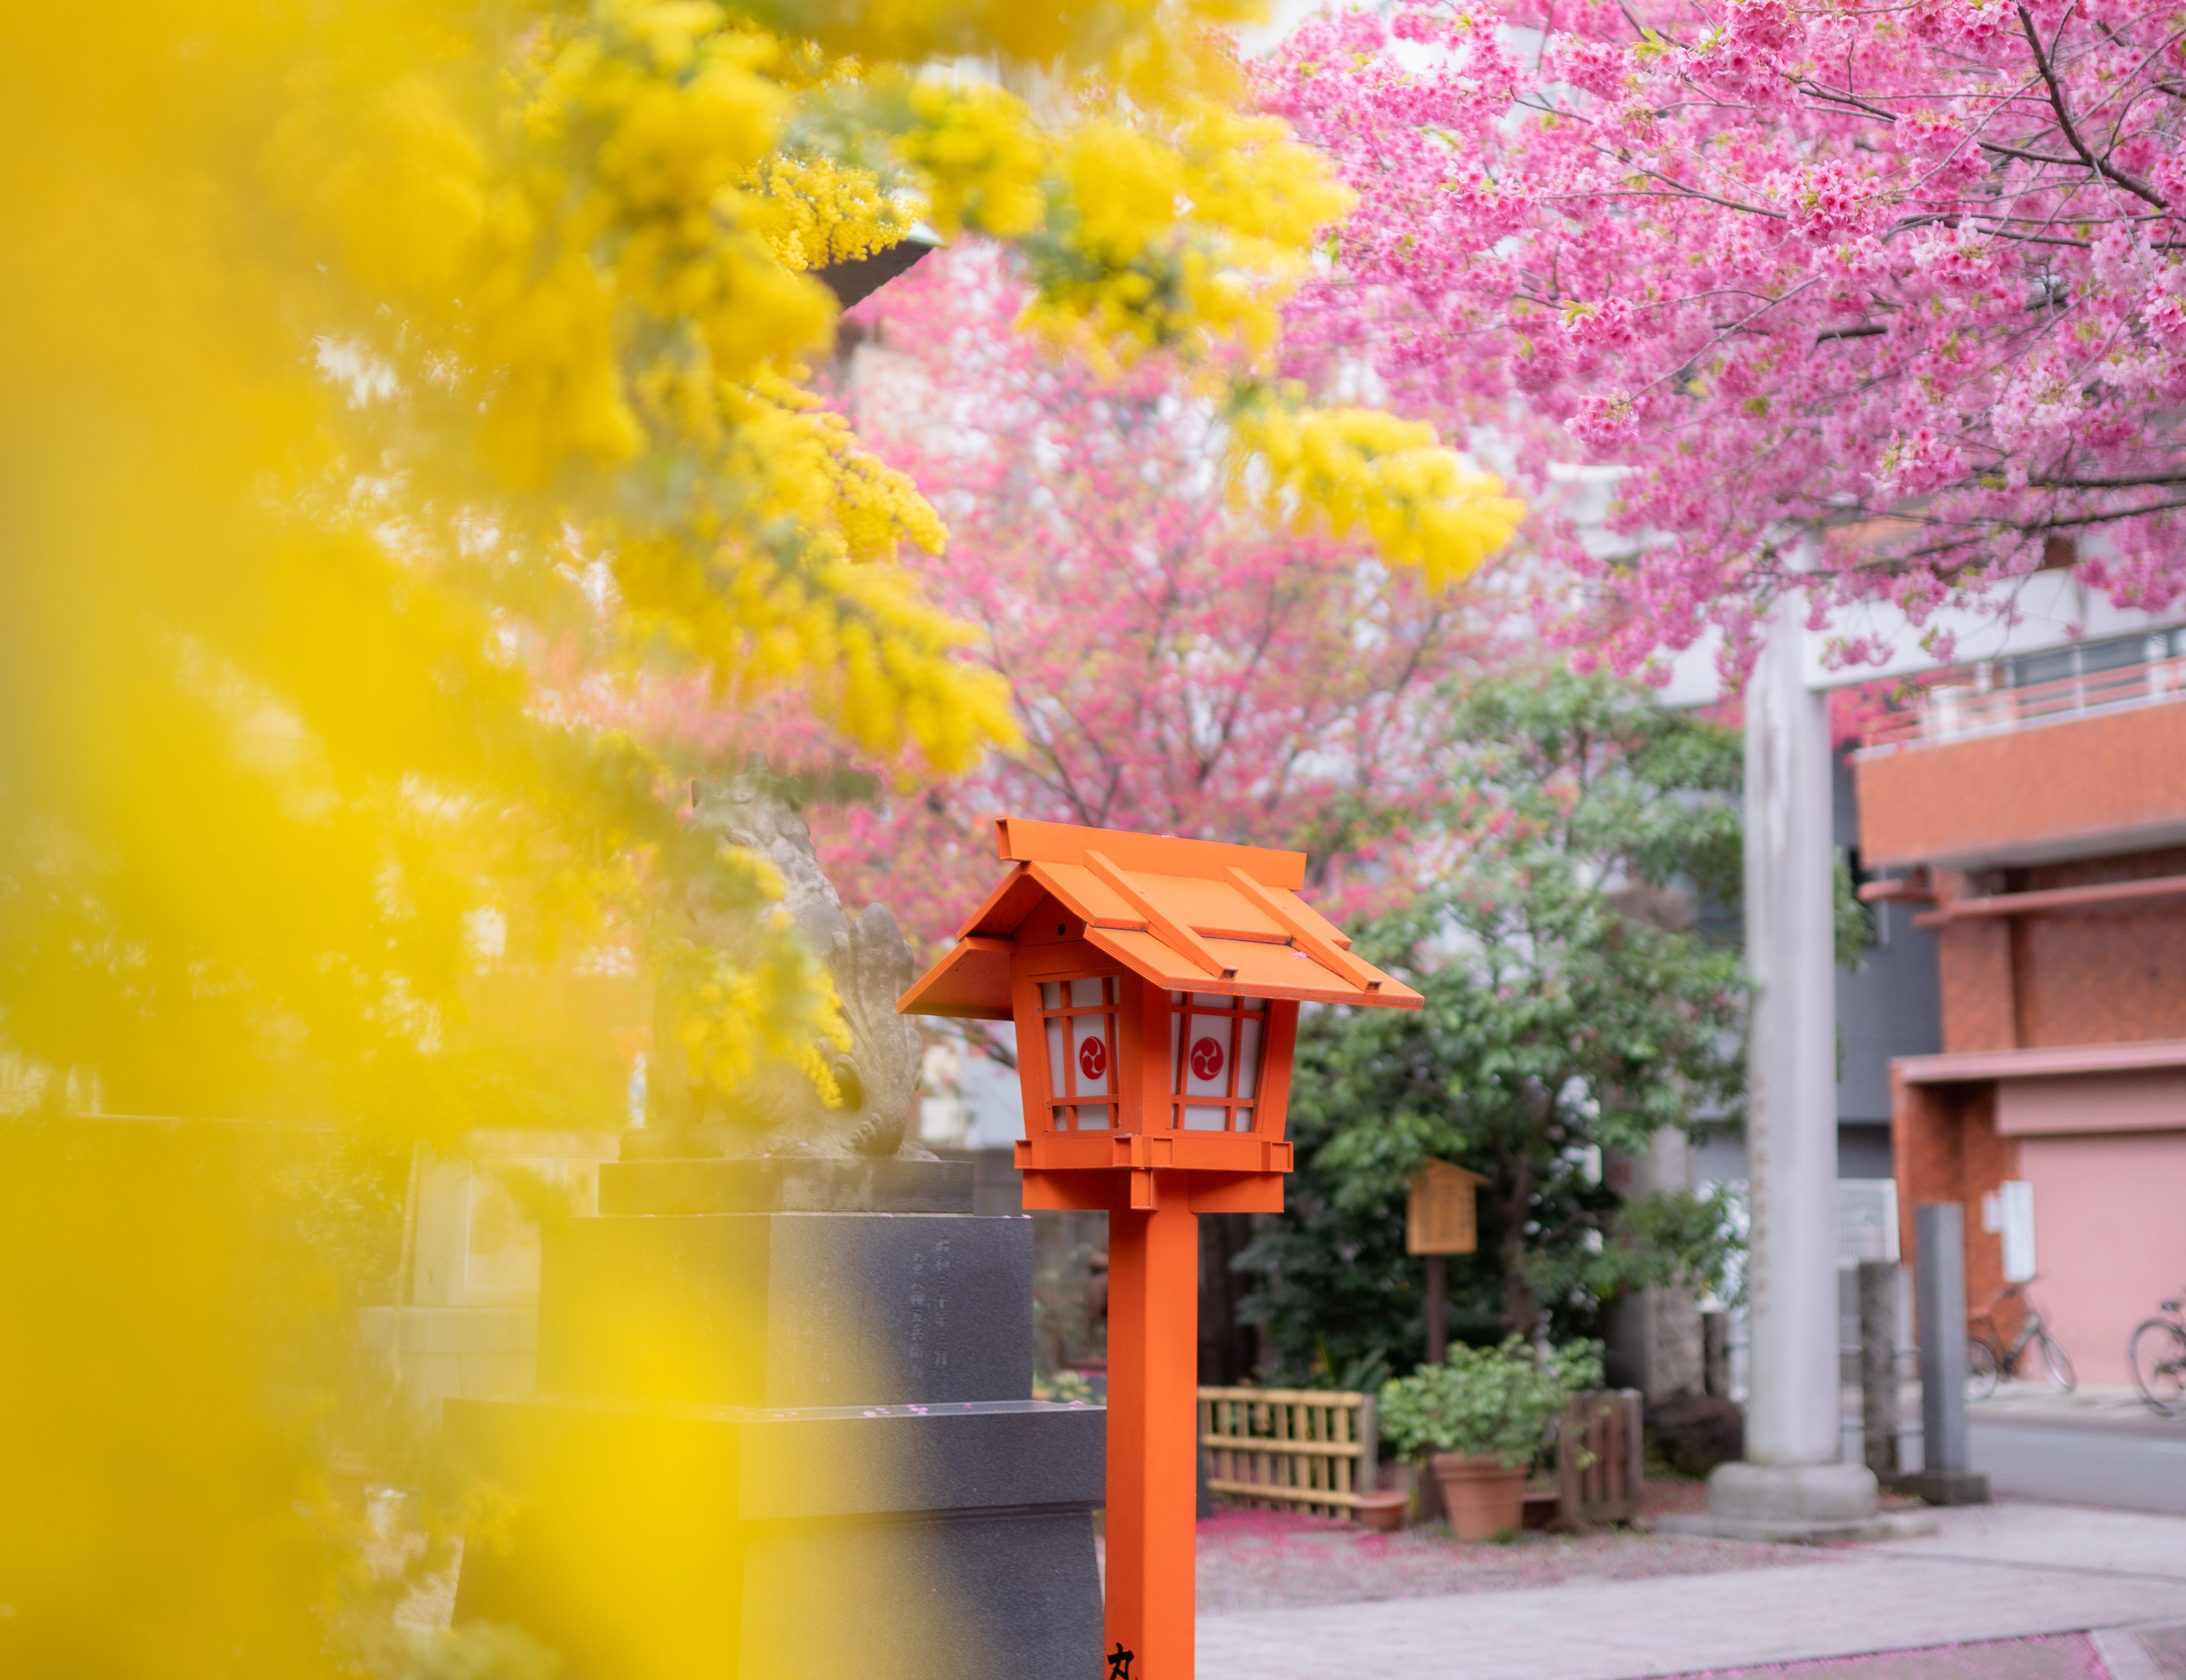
x,y
1584,987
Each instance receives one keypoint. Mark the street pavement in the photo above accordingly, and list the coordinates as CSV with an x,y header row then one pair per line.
x,y
2002,1572
2099,1445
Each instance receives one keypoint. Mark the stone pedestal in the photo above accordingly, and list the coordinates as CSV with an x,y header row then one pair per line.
x,y
783,1430
1802,1504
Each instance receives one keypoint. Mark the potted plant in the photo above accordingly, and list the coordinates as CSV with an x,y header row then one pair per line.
x,y
1482,1414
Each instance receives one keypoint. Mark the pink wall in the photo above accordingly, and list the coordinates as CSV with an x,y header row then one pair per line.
x,y
2110,1238
2152,1100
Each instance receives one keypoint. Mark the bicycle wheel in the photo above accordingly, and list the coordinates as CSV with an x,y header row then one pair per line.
x,y
2157,1354
2056,1361
1982,1371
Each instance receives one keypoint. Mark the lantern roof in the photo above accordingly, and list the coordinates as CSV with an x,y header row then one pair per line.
x,y
1189,915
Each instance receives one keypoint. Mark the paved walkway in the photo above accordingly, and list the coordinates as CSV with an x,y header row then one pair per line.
x,y
2057,1656
2000,1573
1265,1560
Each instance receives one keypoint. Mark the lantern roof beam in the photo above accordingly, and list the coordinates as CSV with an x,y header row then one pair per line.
x,y
1174,934
1314,940
1263,971
1093,901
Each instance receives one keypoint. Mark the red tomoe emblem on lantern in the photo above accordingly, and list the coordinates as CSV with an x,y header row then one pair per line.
x,y
1206,1059
1092,1058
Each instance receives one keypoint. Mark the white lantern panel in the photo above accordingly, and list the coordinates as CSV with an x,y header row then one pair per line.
x,y
1207,1051
1092,1065
1055,1059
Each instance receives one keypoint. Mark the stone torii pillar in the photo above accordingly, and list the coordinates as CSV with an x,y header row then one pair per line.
x,y
1793,1484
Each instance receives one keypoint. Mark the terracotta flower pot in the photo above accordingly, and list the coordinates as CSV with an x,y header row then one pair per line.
x,y
1383,1513
1483,1495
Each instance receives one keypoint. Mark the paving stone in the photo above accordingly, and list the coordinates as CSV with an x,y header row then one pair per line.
x,y
2065,1656
1261,1560
1626,1630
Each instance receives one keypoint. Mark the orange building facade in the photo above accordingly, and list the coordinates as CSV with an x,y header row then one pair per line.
x,y
2033,814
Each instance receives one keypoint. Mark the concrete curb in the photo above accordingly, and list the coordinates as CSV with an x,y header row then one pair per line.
x,y
1883,1526
2124,1655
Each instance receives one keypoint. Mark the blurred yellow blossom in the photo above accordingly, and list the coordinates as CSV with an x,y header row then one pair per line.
x,y
1362,468
361,367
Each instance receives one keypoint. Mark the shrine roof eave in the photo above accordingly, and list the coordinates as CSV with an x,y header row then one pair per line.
x,y
1188,915
971,983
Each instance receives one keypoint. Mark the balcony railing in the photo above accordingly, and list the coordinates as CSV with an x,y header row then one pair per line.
x,y
1967,702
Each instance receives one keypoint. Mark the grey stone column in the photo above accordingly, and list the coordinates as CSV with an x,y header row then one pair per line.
x,y
1791,1128
1792,1484
1939,1281
1940,1275
1878,1365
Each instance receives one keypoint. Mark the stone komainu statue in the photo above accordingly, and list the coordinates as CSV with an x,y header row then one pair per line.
x,y
778,1111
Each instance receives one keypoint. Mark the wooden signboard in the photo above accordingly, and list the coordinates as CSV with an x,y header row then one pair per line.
x,y
1440,1216
1440,1219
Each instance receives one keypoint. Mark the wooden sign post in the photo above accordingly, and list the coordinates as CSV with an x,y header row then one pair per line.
x,y
1441,1217
1155,985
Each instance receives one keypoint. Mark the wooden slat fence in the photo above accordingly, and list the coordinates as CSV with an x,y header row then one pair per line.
x,y
1299,1448
1315,1450
1600,1458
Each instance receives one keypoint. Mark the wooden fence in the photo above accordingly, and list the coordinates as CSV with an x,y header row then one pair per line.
x,y
1300,1448
1314,1449
1600,1454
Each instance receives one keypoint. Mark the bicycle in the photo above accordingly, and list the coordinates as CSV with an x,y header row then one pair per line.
x,y
1988,1361
2157,1354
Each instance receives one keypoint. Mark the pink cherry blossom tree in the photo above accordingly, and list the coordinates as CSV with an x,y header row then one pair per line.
x,y
1176,665
1907,276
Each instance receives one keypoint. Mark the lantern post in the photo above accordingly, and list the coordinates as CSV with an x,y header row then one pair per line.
x,y
1155,984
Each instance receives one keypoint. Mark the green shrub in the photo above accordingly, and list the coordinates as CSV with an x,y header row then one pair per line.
x,y
1486,1401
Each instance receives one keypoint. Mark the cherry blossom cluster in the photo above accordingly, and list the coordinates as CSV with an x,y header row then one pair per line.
x,y
1908,279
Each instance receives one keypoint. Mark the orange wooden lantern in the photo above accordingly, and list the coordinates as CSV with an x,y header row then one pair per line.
x,y
1155,984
